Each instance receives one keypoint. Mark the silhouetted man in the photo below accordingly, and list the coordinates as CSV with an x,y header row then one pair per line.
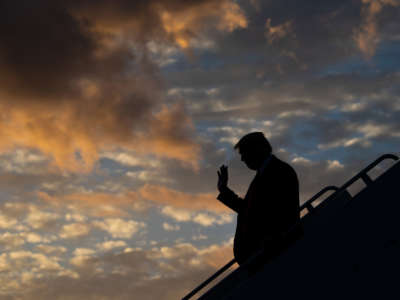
x,y
271,205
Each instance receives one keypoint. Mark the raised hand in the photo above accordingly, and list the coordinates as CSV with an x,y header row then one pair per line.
x,y
222,178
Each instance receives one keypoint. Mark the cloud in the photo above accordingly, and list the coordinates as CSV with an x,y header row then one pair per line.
x,y
361,133
168,133
32,259
177,21
107,274
278,32
371,130
22,267
345,142
100,204
96,204
367,36
199,237
74,230
182,26
39,219
130,159
180,215
96,88
295,113
178,199
204,219
75,217
81,256
34,238
83,251
351,107
105,91
298,160
7,222
13,240
10,240
119,228
334,165
108,245
49,249
168,227
22,161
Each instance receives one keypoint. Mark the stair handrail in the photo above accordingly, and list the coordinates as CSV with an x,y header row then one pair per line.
x,y
363,173
211,278
308,204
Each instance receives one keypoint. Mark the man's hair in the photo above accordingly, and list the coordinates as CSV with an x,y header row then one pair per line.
x,y
253,141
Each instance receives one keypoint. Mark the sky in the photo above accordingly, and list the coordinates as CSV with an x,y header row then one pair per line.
x,y
115,116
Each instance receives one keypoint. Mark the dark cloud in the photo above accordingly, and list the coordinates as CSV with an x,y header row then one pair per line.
x,y
43,48
47,46
79,72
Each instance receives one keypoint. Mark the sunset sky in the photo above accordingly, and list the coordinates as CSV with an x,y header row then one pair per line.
x,y
115,116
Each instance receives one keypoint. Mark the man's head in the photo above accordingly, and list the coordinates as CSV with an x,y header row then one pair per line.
x,y
253,149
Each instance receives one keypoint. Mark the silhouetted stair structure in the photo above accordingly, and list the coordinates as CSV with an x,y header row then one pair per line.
x,y
350,248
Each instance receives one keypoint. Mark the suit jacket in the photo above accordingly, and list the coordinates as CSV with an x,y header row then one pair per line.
x,y
269,209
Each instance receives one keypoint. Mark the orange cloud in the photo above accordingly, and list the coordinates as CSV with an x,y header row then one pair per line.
x,y
73,136
169,135
166,196
183,25
50,132
96,88
274,33
215,256
173,20
367,36
104,204
97,204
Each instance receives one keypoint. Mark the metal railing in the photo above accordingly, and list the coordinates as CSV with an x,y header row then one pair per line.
x,y
306,205
211,278
363,173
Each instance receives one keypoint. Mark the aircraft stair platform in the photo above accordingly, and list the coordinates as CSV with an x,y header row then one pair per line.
x,y
350,248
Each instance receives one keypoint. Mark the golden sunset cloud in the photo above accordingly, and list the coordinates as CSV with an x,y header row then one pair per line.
x,y
95,88
367,36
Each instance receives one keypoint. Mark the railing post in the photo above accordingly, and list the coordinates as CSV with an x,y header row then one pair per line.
x,y
366,179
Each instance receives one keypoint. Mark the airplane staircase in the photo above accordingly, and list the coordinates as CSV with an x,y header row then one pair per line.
x,y
350,248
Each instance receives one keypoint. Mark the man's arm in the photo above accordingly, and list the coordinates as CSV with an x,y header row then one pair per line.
x,y
230,199
226,195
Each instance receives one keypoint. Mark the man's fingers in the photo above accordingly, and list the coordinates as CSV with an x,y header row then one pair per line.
x,y
223,172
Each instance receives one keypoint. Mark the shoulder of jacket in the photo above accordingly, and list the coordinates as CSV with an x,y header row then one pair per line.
x,y
284,166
